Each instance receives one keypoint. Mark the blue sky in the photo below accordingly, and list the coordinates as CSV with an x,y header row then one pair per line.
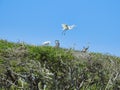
x,y
35,21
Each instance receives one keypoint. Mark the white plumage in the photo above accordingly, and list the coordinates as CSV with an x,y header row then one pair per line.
x,y
46,43
66,27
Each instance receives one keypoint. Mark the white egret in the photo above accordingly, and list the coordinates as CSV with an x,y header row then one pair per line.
x,y
46,43
66,28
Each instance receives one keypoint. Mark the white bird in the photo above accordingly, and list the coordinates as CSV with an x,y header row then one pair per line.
x,y
46,43
66,27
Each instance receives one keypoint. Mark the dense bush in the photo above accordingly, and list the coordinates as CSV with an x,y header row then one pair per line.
x,y
29,67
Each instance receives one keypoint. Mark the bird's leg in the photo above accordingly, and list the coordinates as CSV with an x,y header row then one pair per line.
x,y
64,32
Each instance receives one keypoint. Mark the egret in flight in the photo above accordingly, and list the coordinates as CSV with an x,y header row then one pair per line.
x,y
66,28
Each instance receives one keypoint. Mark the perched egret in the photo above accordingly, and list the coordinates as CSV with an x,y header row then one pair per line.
x,y
46,43
66,28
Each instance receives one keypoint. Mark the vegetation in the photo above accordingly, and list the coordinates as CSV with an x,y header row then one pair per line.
x,y
28,67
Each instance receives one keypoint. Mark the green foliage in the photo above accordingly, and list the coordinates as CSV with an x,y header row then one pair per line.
x,y
56,68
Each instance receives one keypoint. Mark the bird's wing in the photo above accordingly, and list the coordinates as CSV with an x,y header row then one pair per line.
x,y
65,26
71,27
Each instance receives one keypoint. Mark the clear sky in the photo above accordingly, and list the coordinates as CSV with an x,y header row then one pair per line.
x,y
35,21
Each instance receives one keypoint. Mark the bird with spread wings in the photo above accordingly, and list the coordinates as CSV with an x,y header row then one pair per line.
x,y
66,28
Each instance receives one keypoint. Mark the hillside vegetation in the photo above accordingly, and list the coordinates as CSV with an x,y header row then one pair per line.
x,y
29,67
